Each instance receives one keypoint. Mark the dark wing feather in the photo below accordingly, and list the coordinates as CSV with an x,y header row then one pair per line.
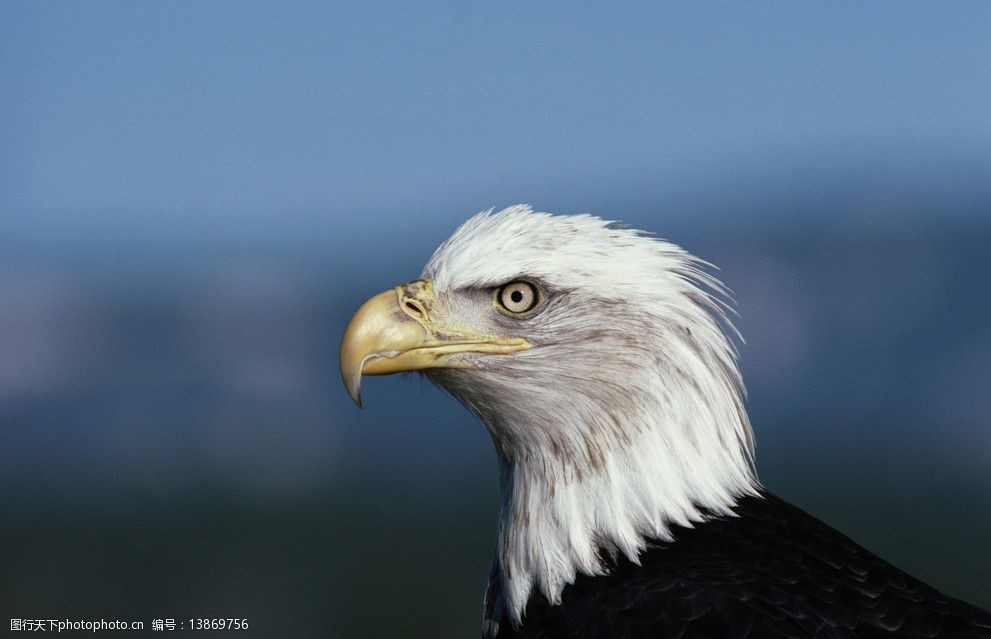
x,y
772,571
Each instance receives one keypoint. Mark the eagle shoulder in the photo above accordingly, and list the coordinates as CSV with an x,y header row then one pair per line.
x,y
770,571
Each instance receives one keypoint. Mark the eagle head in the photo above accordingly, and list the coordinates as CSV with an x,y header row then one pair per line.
x,y
600,360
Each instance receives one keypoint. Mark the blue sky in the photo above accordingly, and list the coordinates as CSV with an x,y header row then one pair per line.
x,y
168,124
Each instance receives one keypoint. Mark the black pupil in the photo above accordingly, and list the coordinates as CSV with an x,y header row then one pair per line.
x,y
516,296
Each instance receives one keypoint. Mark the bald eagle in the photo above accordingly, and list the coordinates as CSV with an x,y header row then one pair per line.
x,y
602,363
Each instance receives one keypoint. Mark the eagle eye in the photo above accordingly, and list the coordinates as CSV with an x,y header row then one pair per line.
x,y
518,297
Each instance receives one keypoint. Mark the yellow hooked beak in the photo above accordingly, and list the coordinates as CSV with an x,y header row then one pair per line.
x,y
395,332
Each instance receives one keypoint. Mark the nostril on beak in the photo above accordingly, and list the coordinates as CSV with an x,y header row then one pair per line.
x,y
414,309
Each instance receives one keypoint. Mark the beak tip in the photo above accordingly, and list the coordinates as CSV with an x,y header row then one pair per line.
x,y
354,390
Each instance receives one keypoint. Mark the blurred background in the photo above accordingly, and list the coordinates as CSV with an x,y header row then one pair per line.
x,y
195,197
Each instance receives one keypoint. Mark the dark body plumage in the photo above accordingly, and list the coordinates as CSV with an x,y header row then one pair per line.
x,y
773,571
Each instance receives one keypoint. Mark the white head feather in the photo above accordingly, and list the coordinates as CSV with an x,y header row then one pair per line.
x,y
624,418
